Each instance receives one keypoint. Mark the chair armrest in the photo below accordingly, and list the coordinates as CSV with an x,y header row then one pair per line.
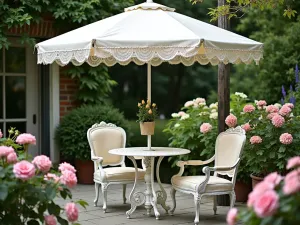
x,y
97,159
220,168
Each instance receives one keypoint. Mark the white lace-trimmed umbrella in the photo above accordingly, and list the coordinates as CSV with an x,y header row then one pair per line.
x,y
149,33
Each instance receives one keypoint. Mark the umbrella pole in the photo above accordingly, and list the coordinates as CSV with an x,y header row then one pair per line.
x,y
149,96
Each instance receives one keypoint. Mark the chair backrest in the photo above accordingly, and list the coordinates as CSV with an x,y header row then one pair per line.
x,y
103,137
229,147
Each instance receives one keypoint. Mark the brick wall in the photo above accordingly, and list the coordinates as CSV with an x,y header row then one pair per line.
x,y
68,90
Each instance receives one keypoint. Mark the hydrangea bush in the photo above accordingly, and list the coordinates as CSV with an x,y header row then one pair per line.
x,y
28,187
275,200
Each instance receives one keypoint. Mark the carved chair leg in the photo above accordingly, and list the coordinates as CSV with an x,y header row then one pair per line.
x,y
215,205
173,196
197,201
124,194
97,186
232,199
104,194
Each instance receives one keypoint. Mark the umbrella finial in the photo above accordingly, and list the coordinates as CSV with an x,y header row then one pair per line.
x,y
149,1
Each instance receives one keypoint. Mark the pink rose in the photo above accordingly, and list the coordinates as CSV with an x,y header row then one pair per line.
x,y
26,139
273,178
248,108
50,176
259,189
1,135
272,109
255,140
285,110
50,220
286,138
43,163
205,128
5,151
278,121
66,166
261,103
293,162
271,115
267,204
232,216
68,178
246,127
188,104
12,158
24,170
291,105
71,212
231,120
292,182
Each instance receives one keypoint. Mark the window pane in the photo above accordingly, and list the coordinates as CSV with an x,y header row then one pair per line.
x,y
1,97
15,96
15,61
20,126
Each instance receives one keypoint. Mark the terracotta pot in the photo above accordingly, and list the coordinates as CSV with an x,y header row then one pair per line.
x,y
147,128
85,171
255,180
242,191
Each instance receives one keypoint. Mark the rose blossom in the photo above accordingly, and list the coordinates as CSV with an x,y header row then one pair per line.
x,y
271,115
261,103
293,162
50,176
181,113
285,110
248,108
200,100
246,127
278,121
292,182
5,151
12,157
231,120
286,138
71,212
231,216
205,128
188,104
259,189
43,163
1,135
266,204
66,166
26,139
255,140
291,105
272,109
68,178
273,178
24,170
50,220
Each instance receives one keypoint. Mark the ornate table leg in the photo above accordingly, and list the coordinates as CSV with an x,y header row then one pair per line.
x,y
161,195
136,198
148,192
154,196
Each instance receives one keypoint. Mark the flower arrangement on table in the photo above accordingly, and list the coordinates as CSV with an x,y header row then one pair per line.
x,y
275,200
147,113
28,187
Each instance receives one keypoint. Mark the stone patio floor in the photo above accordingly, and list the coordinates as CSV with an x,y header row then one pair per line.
x,y
115,215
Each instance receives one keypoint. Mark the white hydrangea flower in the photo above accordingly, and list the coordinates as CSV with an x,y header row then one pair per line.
x,y
291,115
205,107
202,104
213,116
231,110
177,125
213,105
278,105
175,115
240,94
213,110
203,113
186,116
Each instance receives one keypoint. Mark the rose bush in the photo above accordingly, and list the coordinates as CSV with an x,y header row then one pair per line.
x,y
275,200
28,187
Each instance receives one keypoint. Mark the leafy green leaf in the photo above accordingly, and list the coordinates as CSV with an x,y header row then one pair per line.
x,y
3,192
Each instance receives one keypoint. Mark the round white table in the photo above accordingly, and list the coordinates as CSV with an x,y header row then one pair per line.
x,y
150,197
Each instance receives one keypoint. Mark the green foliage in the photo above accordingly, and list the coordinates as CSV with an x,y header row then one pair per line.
x,y
71,132
147,112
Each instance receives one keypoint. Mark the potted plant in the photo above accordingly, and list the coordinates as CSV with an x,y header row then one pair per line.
x,y
72,140
146,117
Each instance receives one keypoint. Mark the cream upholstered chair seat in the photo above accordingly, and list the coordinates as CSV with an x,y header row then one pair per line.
x,y
190,183
118,174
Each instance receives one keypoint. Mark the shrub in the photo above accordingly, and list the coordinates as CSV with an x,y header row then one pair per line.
x,y
71,133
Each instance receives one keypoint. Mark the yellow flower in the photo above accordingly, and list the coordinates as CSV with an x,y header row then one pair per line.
x,y
153,105
139,104
150,111
148,102
143,102
147,106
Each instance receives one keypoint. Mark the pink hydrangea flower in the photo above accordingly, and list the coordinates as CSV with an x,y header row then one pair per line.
x,y
12,157
24,170
205,128
71,212
267,204
66,166
291,105
261,103
181,113
246,127
200,100
50,220
188,104
272,109
50,176
293,162
273,178
259,189
286,138
1,135
278,121
248,108
255,140
285,110
232,216
292,182
5,151
231,120
68,178
43,163
271,115
26,139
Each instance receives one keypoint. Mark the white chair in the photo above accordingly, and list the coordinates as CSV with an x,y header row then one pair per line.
x,y
228,150
102,138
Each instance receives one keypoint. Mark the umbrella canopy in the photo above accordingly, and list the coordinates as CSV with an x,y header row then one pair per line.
x,y
149,33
